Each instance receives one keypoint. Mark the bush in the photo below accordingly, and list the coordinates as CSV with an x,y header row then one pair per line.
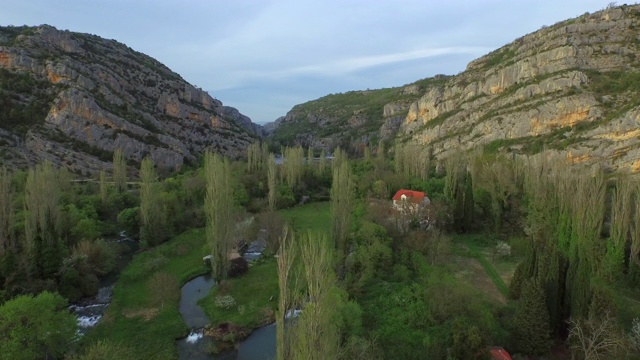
x,y
238,267
503,249
99,255
225,301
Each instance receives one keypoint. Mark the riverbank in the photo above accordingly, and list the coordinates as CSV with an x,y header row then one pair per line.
x,y
134,319
251,299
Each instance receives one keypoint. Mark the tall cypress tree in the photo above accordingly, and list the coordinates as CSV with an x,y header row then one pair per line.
x,y
531,320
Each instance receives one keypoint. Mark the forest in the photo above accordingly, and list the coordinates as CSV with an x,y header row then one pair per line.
x,y
530,254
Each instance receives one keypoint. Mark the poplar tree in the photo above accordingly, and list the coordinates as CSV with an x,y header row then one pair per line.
x,y
380,153
151,212
103,186
272,182
310,157
287,254
342,199
621,223
322,165
256,156
293,165
119,170
42,220
316,332
6,212
218,208
367,153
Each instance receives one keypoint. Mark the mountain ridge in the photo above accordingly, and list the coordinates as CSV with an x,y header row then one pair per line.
x,y
569,88
103,95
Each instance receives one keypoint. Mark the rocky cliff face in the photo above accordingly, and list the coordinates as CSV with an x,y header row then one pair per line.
x,y
96,95
570,88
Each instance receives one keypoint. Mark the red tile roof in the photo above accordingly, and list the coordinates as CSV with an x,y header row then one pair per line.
x,y
499,353
414,196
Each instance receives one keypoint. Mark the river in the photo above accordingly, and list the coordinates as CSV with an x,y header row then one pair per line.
x,y
260,345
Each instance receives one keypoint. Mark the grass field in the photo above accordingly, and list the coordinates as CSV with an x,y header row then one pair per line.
x,y
315,217
132,320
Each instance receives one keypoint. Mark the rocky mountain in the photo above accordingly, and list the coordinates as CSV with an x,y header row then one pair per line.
x,y
74,98
348,118
571,88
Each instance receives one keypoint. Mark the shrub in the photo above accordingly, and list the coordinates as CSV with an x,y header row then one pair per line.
x,y
503,249
225,301
238,267
100,256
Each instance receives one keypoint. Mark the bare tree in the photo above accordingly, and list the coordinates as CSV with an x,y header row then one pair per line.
x,y
597,338
163,288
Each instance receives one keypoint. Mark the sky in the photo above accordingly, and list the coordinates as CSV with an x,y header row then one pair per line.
x,y
265,56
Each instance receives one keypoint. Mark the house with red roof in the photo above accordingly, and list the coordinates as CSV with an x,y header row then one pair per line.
x,y
410,200
498,353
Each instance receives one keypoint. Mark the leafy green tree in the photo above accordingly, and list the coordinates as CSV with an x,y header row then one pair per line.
x,y
468,342
531,320
36,327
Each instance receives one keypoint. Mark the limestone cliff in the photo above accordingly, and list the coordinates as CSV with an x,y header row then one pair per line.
x,y
571,88
95,95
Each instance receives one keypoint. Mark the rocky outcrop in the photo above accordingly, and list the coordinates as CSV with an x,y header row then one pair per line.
x,y
107,96
559,89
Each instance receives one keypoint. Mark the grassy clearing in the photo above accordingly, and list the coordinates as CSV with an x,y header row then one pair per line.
x,y
132,319
255,295
315,217
476,246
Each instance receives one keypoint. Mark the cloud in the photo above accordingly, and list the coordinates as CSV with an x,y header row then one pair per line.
x,y
345,66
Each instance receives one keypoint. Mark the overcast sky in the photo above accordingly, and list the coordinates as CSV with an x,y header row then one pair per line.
x,y
264,56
